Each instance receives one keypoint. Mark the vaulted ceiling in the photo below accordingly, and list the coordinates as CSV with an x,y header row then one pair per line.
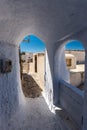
x,y
48,19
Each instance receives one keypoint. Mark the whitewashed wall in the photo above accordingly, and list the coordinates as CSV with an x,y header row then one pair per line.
x,y
71,99
50,21
11,96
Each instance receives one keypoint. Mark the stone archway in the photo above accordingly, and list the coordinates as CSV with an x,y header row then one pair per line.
x,y
75,62
32,64
81,36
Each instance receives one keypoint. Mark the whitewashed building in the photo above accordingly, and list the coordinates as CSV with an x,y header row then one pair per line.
x,y
56,22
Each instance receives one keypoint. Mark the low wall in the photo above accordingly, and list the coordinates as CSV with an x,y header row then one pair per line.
x,y
71,99
77,78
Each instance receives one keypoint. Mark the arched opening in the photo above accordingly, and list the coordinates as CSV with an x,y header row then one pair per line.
x,y
75,63
32,66
69,70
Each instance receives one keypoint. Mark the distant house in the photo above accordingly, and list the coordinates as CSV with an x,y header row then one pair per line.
x,y
79,54
34,64
70,61
76,69
27,56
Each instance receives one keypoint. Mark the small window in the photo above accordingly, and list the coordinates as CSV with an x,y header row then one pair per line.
x,y
68,62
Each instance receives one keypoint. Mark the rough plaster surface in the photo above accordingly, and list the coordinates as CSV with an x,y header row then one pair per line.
x,y
60,70
77,78
10,88
50,21
21,17
35,115
71,99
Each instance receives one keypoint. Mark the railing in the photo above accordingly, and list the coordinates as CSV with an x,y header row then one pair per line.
x,y
71,99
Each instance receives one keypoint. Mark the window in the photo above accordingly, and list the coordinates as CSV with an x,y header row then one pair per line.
x,y
68,62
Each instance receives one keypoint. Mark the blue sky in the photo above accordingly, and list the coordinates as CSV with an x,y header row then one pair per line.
x,y
74,45
33,44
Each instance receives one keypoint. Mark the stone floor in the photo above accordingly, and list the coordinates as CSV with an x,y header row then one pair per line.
x,y
35,115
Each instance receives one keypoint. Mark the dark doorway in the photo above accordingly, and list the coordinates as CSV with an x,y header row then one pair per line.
x,y
36,63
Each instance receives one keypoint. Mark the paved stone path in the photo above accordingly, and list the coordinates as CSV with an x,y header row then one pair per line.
x,y
35,115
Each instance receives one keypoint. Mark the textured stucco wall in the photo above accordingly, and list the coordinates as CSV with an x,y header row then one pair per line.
x,y
48,83
50,20
19,18
77,78
71,100
10,86
60,71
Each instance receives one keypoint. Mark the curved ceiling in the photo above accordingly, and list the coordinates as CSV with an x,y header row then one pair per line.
x,y
48,19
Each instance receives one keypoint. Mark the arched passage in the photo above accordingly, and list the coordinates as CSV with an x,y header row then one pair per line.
x,y
16,17
32,64
68,96
14,98
75,62
48,76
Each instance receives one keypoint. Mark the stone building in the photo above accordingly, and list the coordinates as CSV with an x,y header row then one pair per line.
x,y
55,22
26,56
35,65
70,61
